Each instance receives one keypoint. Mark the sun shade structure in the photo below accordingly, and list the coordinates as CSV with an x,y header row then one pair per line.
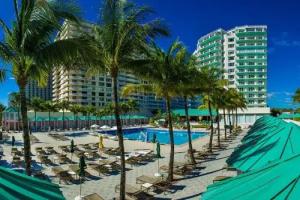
x,y
289,115
14,185
194,112
278,180
277,140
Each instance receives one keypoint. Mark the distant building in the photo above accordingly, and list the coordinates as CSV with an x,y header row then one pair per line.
x,y
34,90
242,53
76,87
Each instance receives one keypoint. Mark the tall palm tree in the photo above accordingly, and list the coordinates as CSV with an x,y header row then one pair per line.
x,y
163,75
30,47
2,109
63,105
15,101
212,82
188,89
121,38
296,97
89,110
36,104
75,109
49,106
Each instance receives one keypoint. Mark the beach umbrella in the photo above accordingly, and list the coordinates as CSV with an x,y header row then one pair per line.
x,y
81,174
154,138
277,180
13,140
158,157
280,143
15,185
101,145
72,148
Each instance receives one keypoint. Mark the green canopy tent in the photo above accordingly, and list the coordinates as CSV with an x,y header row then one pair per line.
x,y
14,185
277,180
289,115
194,112
280,143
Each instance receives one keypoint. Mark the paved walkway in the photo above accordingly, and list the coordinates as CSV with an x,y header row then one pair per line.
x,y
188,188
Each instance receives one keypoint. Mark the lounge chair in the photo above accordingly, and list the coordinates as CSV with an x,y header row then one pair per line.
x,y
220,178
134,193
93,196
16,160
100,168
62,158
40,151
156,182
50,150
44,160
62,174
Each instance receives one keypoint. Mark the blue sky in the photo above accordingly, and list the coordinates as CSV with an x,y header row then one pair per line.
x,y
188,20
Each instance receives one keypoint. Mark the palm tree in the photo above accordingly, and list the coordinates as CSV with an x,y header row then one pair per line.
x,y
2,109
63,105
30,47
89,110
15,101
211,84
49,107
164,76
121,38
36,104
75,109
296,97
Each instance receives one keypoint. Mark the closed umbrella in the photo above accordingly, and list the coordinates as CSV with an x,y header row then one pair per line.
x,y
13,140
81,174
101,145
158,157
72,148
277,180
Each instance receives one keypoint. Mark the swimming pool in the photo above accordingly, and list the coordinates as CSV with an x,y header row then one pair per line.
x,y
146,135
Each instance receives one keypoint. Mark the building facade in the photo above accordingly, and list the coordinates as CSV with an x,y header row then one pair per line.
x,y
34,90
76,87
242,53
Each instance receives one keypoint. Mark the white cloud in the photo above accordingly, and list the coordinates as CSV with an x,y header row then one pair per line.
x,y
11,78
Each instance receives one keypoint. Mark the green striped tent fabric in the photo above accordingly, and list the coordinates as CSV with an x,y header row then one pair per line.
x,y
277,180
276,140
15,186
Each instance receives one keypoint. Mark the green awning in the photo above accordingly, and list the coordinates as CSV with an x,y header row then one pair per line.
x,y
14,185
277,180
194,112
279,141
289,115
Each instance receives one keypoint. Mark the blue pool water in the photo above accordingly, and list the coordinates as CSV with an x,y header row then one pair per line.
x,y
146,135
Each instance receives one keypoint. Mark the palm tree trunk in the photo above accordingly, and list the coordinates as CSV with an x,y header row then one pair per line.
x,y
190,151
218,127
63,120
120,136
171,161
49,127
26,137
233,119
211,126
35,123
236,118
224,115
229,119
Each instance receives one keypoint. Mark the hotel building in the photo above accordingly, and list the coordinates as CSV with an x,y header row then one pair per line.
x,y
76,87
242,53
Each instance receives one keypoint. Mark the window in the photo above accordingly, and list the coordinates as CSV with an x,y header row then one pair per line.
x,y
230,52
230,45
231,58
230,64
231,70
230,39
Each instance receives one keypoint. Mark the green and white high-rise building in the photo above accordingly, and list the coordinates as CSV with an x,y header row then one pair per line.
x,y
242,53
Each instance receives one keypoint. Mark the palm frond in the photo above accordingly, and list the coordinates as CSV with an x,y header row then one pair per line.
x,y
130,89
2,75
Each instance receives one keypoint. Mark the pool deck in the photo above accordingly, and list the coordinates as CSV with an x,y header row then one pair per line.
x,y
189,187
